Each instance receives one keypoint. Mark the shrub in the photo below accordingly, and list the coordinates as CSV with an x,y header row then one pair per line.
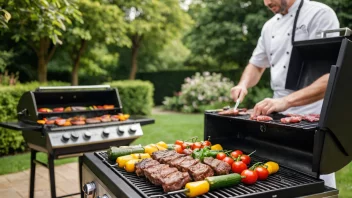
x,y
210,91
201,91
136,96
12,141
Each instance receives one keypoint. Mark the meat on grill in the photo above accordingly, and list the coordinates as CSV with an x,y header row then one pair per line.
x,y
167,159
308,118
219,167
262,118
229,112
200,171
160,154
161,174
146,163
289,120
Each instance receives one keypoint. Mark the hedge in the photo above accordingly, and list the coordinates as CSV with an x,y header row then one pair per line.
x,y
136,96
166,83
12,141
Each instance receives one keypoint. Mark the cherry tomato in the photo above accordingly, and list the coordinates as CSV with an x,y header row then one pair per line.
x,y
262,173
186,145
179,142
220,156
196,145
228,160
236,153
206,143
246,159
250,176
238,167
178,149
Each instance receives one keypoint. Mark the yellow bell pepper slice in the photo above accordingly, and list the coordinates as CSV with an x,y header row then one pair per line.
x,y
217,147
121,161
197,188
140,155
130,165
272,167
162,144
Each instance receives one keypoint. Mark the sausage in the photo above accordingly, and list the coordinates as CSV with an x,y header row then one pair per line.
x,y
78,122
288,120
229,112
92,120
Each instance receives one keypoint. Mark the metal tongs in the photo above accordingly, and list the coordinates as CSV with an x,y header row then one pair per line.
x,y
236,105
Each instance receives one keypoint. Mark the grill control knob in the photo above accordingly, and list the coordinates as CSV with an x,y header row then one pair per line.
x,y
65,137
106,132
74,136
133,129
120,130
89,188
87,134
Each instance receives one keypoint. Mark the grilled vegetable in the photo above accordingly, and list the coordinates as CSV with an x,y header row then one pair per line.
x,y
67,109
204,152
123,160
197,188
44,110
171,146
216,147
152,148
41,121
140,155
108,106
162,144
272,167
223,181
262,173
130,165
115,152
78,108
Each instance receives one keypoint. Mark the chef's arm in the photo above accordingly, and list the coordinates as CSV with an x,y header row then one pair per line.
x,y
310,94
251,76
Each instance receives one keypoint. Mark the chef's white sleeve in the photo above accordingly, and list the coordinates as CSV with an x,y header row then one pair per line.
x,y
259,57
325,19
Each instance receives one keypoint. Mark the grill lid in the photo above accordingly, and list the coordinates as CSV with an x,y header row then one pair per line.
x,y
310,60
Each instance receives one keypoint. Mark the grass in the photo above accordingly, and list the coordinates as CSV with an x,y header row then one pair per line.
x,y
167,128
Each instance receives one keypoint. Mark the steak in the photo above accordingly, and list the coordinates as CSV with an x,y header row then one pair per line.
x,y
185,165
156,178
175,181
176,162
219,167
145,163
166,160
148,172
160,154
200,171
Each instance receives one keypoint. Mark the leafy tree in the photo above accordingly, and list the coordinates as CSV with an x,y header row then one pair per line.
x,y
5,16
226,31
40,24
152,23
103,23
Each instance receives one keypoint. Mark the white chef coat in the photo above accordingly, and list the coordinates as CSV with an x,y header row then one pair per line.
x,y
274,45
274,49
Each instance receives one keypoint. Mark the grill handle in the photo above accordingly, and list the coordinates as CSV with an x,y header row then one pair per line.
x,y
73,87
322,34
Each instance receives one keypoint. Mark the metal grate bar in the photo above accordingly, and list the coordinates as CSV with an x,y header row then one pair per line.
x,y
285,178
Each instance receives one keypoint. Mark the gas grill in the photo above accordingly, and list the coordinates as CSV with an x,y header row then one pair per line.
x,y
303,150
73,140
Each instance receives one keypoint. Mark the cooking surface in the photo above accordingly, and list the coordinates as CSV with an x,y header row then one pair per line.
x,y
276,121
295,183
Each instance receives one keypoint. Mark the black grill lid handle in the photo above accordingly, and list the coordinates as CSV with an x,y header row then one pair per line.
x,y
322,34
19,126
72,87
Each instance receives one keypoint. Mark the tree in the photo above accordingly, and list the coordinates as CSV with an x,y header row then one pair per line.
x,y
5,16
40,23
103,23
157,22
226,32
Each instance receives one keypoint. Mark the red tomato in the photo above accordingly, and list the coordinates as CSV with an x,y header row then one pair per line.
x,y
228,160
196,145
220,156
178,149
179,142
250,176
236,153
206,143
246,159
238,167
262,173
186,145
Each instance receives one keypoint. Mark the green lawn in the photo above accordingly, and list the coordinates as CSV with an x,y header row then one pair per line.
x,y
167,128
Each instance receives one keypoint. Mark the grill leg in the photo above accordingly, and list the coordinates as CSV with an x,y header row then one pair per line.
x,y
32,176
80,163
52,175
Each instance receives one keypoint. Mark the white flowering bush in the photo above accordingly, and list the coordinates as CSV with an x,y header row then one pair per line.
x,y
201,91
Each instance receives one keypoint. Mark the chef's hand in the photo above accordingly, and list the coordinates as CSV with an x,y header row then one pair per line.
x,y
270,105
239,91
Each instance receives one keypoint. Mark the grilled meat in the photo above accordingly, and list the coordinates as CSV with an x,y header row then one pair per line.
x,y
288,120
92,120
229,112
262,118
156,177
160,154
145,163
185,165
178,161
175,181
219,167
167,159
200,171
309,118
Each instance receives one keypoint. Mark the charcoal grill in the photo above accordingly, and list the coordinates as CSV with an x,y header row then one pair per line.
x,y
68,141
304,150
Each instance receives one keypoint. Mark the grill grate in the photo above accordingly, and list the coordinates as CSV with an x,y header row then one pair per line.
x,y
283,179
276,121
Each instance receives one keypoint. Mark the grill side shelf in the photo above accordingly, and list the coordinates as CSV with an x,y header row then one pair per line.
x,y
19,126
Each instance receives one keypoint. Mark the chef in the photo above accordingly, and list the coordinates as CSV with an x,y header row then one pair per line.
x,y
294,20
